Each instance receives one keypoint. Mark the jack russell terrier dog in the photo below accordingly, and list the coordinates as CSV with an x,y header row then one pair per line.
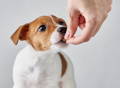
x,y
39,65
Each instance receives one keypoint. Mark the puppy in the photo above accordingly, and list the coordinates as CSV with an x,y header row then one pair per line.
x,y
40,64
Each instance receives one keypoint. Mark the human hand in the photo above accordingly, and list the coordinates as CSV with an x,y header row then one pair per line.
x,y
88,15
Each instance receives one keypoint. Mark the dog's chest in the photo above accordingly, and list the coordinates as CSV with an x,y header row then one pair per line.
x,y
38,69
43,71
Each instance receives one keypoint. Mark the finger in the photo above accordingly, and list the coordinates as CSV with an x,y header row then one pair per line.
x,y
86,33
72,25
109,5
98,25
94,31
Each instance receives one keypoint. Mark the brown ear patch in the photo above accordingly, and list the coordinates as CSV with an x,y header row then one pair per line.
x,y
20,34
24,30
64,64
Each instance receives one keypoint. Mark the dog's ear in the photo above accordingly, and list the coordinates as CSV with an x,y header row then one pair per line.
x,y
54,17
20,34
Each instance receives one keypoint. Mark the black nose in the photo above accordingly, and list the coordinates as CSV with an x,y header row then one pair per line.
x,y
62,30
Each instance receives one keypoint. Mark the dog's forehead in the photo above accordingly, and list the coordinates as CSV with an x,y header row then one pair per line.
x,y
45,20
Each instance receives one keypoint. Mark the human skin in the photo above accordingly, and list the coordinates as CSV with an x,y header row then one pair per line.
x,y
89,15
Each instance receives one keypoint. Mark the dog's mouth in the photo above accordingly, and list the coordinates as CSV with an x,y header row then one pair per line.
x,y
61,41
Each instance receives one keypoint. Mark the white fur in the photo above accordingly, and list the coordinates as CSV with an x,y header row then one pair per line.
x,y
56,36
41,69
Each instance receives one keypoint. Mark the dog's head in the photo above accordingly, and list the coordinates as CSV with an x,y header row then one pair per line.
x,y
42,33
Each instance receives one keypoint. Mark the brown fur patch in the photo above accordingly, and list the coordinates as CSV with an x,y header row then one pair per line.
x,y
40,40
64,63
20,33
57,20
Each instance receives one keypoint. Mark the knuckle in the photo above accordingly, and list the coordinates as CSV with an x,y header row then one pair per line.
x,y
94,20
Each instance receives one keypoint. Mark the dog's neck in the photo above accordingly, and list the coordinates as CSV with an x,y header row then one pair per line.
x,y
53,49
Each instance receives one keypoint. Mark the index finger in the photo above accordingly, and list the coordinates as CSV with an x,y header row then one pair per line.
x,y
86,33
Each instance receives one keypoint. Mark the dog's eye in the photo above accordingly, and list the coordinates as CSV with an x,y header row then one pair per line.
x,y
42,28
61,22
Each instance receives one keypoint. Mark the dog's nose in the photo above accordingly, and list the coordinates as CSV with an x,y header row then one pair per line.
x,y
62,30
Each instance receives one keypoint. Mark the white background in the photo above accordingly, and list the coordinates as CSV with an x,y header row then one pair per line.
x,y
96,63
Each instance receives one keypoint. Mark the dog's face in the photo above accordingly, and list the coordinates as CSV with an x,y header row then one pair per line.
x,y
42,33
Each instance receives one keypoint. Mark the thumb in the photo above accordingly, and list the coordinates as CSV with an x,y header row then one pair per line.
x,y
72,25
